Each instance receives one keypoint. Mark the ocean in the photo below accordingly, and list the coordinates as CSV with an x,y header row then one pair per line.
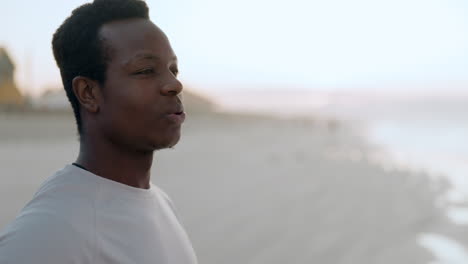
x,y
422,133
419,132
438,146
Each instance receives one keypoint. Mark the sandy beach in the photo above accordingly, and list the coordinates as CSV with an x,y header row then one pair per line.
x,y
255,190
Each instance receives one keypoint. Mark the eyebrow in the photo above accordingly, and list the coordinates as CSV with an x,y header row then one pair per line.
x,y
145,56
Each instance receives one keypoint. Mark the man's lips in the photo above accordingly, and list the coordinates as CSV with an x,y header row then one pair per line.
x,y
177,118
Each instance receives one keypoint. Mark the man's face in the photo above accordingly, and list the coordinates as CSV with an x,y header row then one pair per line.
x,y
141,108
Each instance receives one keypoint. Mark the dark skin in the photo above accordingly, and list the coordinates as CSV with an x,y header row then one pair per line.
x,y
137,110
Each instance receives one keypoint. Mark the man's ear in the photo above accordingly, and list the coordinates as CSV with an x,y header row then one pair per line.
x,y
87,92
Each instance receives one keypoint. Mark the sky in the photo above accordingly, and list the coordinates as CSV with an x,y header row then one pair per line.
x,y
273,44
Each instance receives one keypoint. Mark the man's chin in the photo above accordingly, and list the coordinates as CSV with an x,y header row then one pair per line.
x,y
166,143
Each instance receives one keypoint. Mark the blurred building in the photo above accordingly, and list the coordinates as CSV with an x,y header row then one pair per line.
x,y
9,93
52,99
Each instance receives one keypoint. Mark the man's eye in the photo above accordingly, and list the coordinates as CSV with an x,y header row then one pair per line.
x,y
145,71
174,71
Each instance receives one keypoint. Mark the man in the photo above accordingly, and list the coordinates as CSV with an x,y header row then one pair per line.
x,y
120,75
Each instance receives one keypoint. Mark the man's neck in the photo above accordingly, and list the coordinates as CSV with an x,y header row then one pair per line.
x,y
111,162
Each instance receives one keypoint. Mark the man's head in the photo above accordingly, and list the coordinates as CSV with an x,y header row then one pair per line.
x,y
120,74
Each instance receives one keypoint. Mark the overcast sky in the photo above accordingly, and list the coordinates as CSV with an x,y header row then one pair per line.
x,y
333,44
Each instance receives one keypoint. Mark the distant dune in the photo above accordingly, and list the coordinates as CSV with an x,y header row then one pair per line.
x,y
56,100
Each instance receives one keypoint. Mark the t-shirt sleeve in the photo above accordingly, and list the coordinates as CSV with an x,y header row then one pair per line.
x,y
42,238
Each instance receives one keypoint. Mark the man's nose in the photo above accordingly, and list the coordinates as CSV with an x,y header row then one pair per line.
x,y
172,87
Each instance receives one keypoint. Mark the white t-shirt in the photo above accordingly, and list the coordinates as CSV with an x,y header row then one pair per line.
x,y
78,217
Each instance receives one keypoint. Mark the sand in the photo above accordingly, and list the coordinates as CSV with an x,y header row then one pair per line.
x,y
257,190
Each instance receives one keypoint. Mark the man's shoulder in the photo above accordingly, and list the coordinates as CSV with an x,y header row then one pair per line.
x,y
167,200
67,181
64,195
58,218
61,200
43,237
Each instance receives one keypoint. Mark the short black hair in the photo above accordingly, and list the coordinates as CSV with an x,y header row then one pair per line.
x,y
77,47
